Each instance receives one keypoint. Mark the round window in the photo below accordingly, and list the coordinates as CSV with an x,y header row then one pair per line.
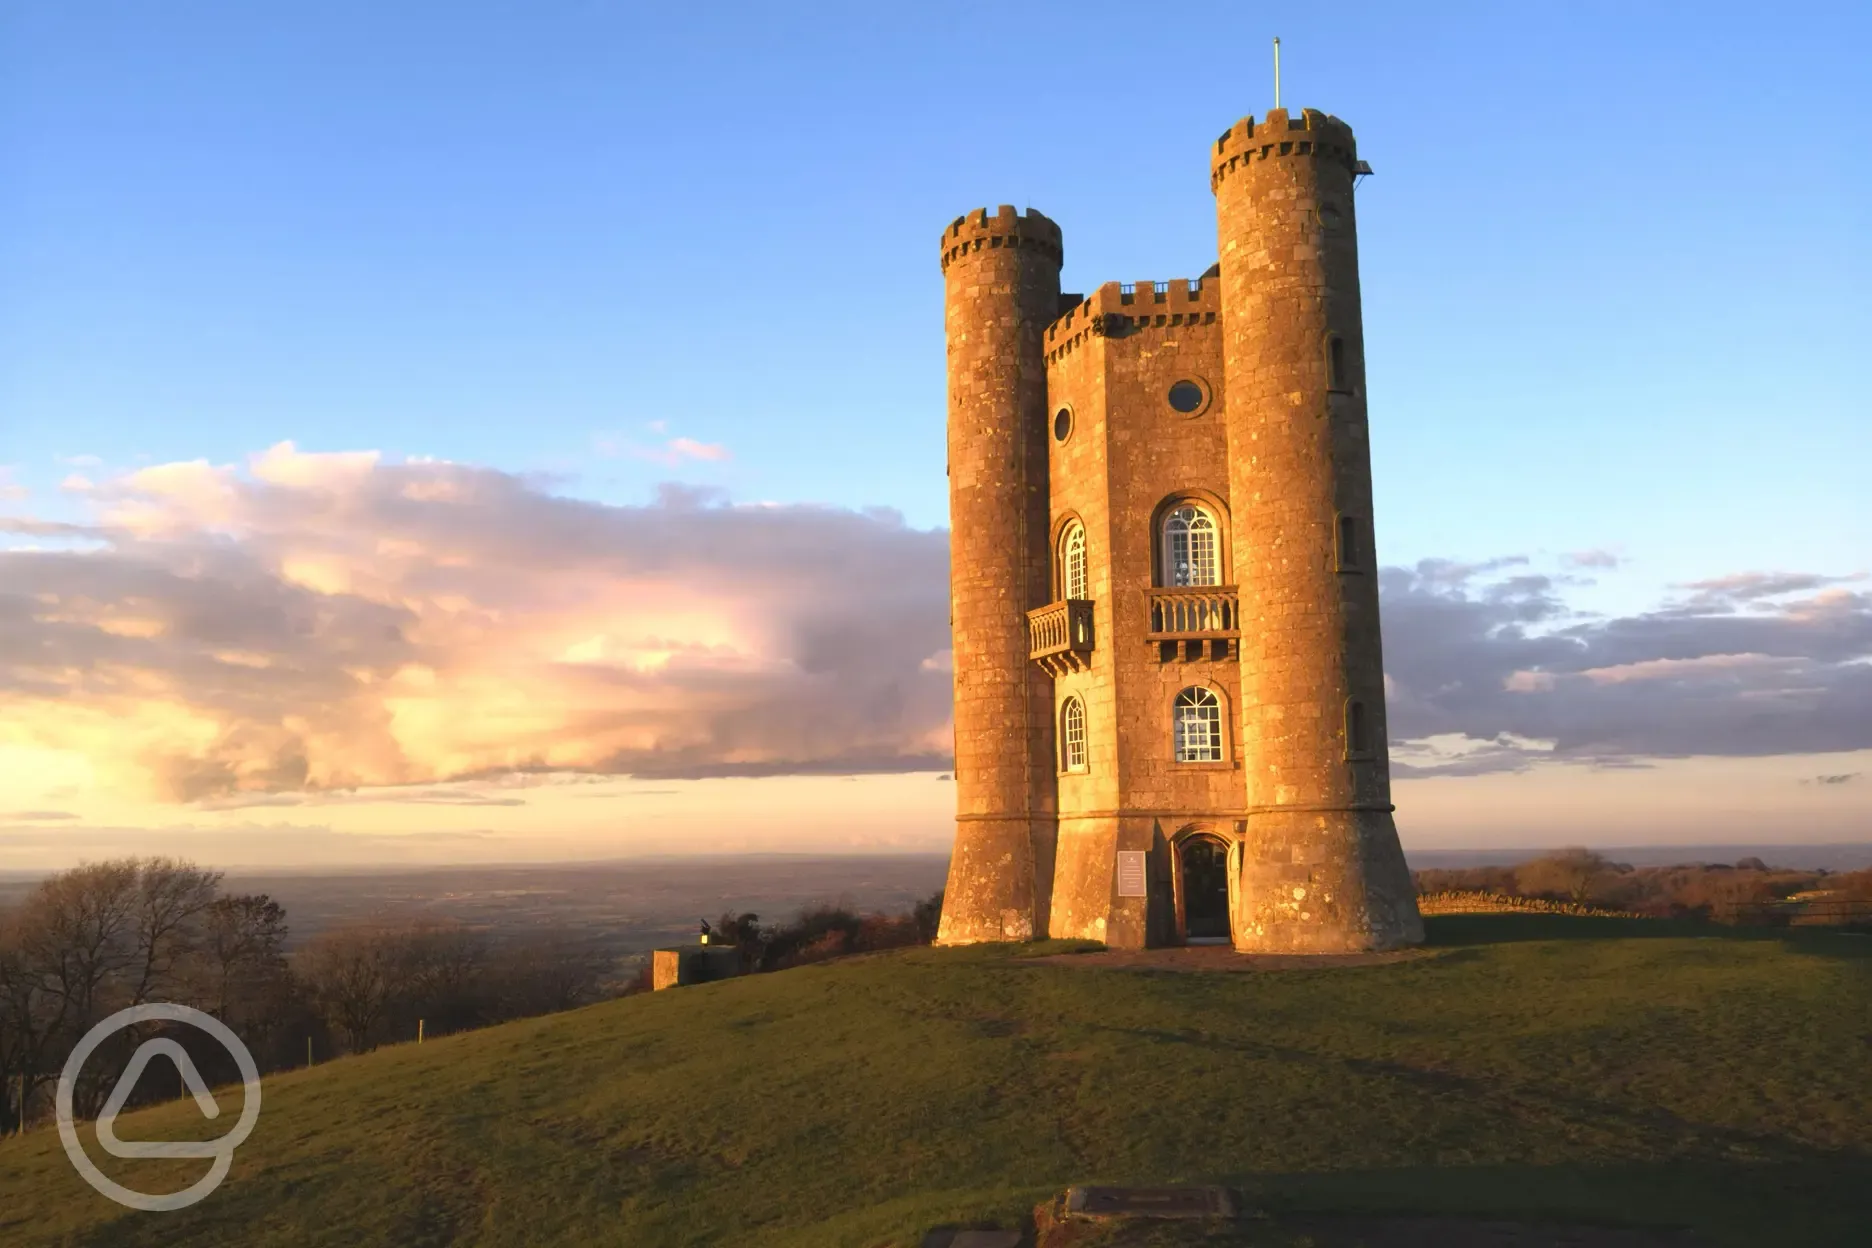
x,y
1186,396
1062,424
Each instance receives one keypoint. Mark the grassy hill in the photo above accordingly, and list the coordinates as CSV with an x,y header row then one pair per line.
x,y
1525,1065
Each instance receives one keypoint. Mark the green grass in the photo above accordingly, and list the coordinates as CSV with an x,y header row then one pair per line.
x,y
1536,1067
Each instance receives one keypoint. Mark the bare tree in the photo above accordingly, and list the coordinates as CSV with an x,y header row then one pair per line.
x,y
545,973
76,930
31,1022
172,897
240,966
443,976
353,972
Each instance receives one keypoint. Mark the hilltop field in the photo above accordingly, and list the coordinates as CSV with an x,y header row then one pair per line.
x,y
1619,1072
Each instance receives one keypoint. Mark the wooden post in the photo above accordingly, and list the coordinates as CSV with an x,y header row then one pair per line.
x,y
308,1052
419,1031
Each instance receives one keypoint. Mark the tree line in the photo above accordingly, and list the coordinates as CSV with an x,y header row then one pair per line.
x,y
817,933
88,942
1683,890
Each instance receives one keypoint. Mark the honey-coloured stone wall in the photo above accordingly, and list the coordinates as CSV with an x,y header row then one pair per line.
x,y
1001,290
1322,870
1060,413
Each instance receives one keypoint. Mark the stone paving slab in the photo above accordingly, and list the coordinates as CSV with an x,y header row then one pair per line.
x,y
1349,1231
973,1239
1221,958
1151,1202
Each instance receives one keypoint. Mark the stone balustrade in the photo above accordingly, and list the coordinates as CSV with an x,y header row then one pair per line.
x,y
1059,636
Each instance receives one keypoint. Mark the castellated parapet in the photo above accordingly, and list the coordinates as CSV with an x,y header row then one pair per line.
x,y
1170,719
974,231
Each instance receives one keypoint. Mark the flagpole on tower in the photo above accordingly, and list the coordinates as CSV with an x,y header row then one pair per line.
x,y
1277,71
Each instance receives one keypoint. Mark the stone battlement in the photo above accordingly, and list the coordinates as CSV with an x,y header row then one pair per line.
x,y
976,230
1141,762
1118,308
1312,133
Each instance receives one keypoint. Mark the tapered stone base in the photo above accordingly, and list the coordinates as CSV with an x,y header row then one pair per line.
x,y
1000,879
1330,881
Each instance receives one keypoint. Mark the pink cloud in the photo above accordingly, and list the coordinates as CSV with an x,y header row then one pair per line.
x,y
317,622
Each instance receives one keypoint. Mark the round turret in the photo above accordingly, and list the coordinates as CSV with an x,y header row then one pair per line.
x,y
1323,871
1001,284
977,231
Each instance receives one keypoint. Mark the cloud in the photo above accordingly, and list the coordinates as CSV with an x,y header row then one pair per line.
x,y
670,452
1734,592
674,451
1837,778
1754,664
313,623
11,490
464,795
1591,559
306,626
35,816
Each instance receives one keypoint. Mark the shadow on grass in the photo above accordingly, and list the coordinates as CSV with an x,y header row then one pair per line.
x,y
1823,1200
1820,1202
1454,931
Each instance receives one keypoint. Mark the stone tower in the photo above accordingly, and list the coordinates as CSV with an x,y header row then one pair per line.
x,y
1001,289
1170,719
1322,868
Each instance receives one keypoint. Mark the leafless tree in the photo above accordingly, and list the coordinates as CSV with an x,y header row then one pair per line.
x,y
172,898
240,966
545,973
77,937
353,973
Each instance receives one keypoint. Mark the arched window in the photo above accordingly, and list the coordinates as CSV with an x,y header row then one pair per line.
x,y
1072,562
1073,735
1191,547
1198,726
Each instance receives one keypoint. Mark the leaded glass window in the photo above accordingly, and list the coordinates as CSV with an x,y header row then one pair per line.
x,y
1073,735
1073,562
1198,726
1190,547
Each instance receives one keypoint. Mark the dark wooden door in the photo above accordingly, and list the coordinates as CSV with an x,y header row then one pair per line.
x,y
1204,861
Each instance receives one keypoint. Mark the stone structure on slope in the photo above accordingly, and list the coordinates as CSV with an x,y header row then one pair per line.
x,y
1170,709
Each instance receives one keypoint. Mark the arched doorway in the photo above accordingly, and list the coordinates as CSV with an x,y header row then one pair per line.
x,y
1202,865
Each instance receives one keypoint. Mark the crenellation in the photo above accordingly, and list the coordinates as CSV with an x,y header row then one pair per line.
x,y
1112,412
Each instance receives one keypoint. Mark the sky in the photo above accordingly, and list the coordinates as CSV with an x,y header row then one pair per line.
x,y
501,432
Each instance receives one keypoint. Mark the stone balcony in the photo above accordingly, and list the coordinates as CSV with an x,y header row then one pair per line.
x,y
1194,622
1059,636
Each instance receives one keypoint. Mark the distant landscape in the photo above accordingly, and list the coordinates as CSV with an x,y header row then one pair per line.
x,y
625,907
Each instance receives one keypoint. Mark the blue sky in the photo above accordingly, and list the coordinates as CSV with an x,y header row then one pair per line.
x,y
1614,265
1614,256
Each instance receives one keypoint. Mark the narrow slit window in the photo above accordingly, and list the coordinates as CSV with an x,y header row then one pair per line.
x,y
1198,725
1335,364
1357,742
1348,544
1073,735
